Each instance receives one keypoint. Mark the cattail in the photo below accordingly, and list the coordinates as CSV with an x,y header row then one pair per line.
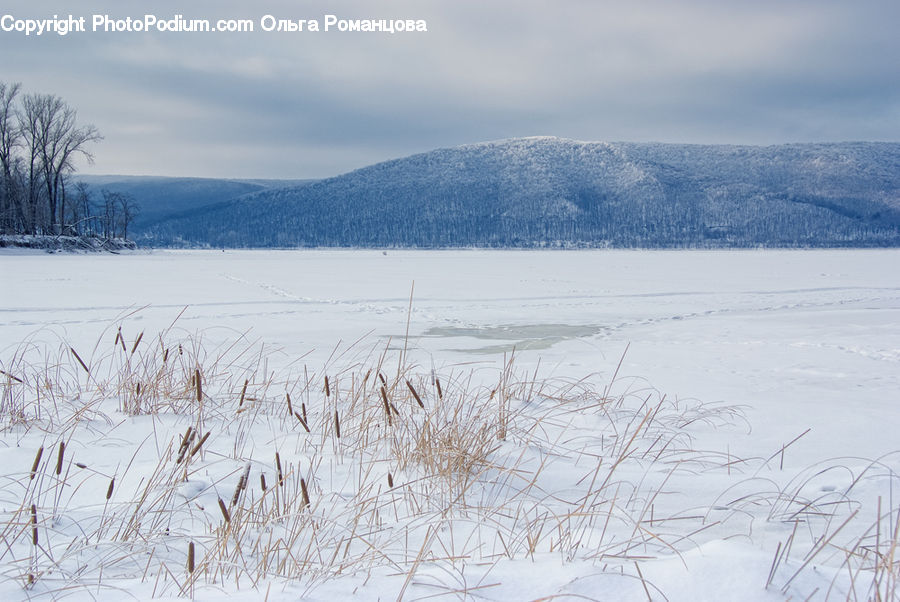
x,y
109,490
390,481
437,383
59,458
327,387
383,379
137,342
337,425
262,481
241,485
37,461
34,529
165,355
243,393
80,361
290,407
137,390
278,467
80,465
304,492
303,411
185,442
387,407
415,395
302,421
224,510
190,558
199,385
199,444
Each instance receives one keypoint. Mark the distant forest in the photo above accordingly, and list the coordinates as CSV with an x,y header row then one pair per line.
x,y
557,193
40,140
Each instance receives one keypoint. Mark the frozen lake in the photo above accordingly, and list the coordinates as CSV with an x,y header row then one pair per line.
x,y
807,343
804,339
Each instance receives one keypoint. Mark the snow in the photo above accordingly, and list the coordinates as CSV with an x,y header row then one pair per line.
x,y
744,353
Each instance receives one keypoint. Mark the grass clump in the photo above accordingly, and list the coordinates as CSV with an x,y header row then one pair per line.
x,y
219,473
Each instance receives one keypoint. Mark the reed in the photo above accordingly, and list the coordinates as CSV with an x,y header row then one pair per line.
x,y
481,466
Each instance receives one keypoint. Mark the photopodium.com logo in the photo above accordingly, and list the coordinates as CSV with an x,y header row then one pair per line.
x,y
72,24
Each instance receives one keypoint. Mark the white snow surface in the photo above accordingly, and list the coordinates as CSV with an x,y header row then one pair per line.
x,y
742,352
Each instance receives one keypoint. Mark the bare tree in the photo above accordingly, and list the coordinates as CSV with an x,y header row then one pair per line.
x,y
83,220
54,140
119,210
11,214
128,210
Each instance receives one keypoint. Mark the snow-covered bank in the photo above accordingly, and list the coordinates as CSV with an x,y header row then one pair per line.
x,y
65,243
741,352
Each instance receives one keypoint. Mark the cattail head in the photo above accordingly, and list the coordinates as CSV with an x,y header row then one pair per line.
x,y
190,558
37,461
60,456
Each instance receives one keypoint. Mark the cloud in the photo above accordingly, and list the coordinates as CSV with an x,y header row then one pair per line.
x,y
316,104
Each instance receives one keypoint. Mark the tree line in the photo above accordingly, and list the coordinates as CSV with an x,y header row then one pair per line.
x,y
40,140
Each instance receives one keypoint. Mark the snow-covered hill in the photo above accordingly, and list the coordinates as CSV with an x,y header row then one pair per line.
x,y
159,198
536,192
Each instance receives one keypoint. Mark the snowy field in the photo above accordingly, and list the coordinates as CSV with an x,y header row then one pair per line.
x,y
609,425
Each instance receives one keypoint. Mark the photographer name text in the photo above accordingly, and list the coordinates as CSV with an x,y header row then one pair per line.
x,y
71,24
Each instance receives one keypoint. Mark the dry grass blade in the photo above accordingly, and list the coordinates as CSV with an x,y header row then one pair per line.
x,y
11,377
815,552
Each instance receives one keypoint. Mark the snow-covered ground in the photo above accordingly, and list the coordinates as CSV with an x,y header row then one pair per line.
x,y
668,479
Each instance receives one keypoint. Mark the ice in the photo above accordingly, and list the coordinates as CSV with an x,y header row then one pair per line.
x,y
805,344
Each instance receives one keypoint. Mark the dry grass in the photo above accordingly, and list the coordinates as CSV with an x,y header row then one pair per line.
x,y
248,479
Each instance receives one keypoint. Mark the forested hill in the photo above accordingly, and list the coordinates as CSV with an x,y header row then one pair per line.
x,y
157,198
537,192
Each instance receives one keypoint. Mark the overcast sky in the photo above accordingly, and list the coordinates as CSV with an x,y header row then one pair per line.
x,y
291,105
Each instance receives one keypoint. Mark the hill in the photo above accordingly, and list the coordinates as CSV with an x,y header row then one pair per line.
x,y
163,197
551,192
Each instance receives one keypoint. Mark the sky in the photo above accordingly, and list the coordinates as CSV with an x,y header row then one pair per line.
x,y
317,104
